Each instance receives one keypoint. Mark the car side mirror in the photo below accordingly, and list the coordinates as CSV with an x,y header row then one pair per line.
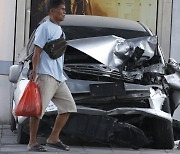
x,y
14,72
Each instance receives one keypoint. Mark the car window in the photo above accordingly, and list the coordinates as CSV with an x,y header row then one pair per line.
x,y
78,32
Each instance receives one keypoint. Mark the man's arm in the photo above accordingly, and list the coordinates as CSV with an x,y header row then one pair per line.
x,y
35,62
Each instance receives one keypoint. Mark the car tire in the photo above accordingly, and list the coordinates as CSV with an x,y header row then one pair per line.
x,y
22,137
163,134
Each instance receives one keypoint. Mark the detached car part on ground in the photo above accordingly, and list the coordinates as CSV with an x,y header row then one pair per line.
x,y
116,73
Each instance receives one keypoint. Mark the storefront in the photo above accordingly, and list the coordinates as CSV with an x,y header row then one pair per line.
x,y
144,11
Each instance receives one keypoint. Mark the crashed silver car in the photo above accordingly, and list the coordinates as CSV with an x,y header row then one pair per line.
x,y
117,75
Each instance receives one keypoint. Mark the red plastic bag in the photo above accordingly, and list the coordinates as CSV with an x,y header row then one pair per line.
x,y
30,103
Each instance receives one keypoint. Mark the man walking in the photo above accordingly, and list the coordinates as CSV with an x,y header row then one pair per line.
x,y
48,74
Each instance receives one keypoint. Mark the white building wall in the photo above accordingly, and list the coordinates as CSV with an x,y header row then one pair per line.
x,y
175,37
164,26
7,29
22,25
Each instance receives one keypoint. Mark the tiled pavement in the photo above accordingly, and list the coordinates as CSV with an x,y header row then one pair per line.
x,y
9,145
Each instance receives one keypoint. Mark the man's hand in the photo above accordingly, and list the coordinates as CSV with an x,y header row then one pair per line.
x,y
33,76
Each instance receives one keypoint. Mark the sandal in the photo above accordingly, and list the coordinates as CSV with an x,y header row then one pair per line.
x,y
59,145
37,148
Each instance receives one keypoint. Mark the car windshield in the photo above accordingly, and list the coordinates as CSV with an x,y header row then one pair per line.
x,y
78,32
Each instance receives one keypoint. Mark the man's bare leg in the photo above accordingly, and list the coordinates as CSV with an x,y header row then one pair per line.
x,y
34,124
58,125
33,144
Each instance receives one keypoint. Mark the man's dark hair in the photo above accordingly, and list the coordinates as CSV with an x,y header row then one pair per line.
x,y
54,4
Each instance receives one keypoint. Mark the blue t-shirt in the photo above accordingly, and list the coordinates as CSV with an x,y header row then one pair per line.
x,y
47,32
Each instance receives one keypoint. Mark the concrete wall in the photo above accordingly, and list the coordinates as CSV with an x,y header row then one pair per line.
x,y
22,25
175,39
14,32
7,24
164,25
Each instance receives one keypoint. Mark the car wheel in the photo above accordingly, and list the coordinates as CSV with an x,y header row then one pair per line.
x,y
163,134
22,137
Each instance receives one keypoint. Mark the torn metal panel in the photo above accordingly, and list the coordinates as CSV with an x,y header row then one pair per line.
x,y
156,68
116,50
145,112
125,134
173,80
93,69
128,47
156,99
137,74
82,86
126,111
105,129
173,66
133,75
102,45
104,71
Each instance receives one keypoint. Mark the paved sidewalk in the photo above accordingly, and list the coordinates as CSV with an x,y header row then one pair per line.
x,y
8,145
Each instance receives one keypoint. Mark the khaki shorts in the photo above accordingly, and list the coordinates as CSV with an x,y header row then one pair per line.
x,y
58,92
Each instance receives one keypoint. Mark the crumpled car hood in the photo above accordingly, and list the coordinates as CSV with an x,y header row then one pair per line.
x,y
113,51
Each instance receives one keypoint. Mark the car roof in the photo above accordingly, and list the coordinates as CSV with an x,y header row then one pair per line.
x,y
99,21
